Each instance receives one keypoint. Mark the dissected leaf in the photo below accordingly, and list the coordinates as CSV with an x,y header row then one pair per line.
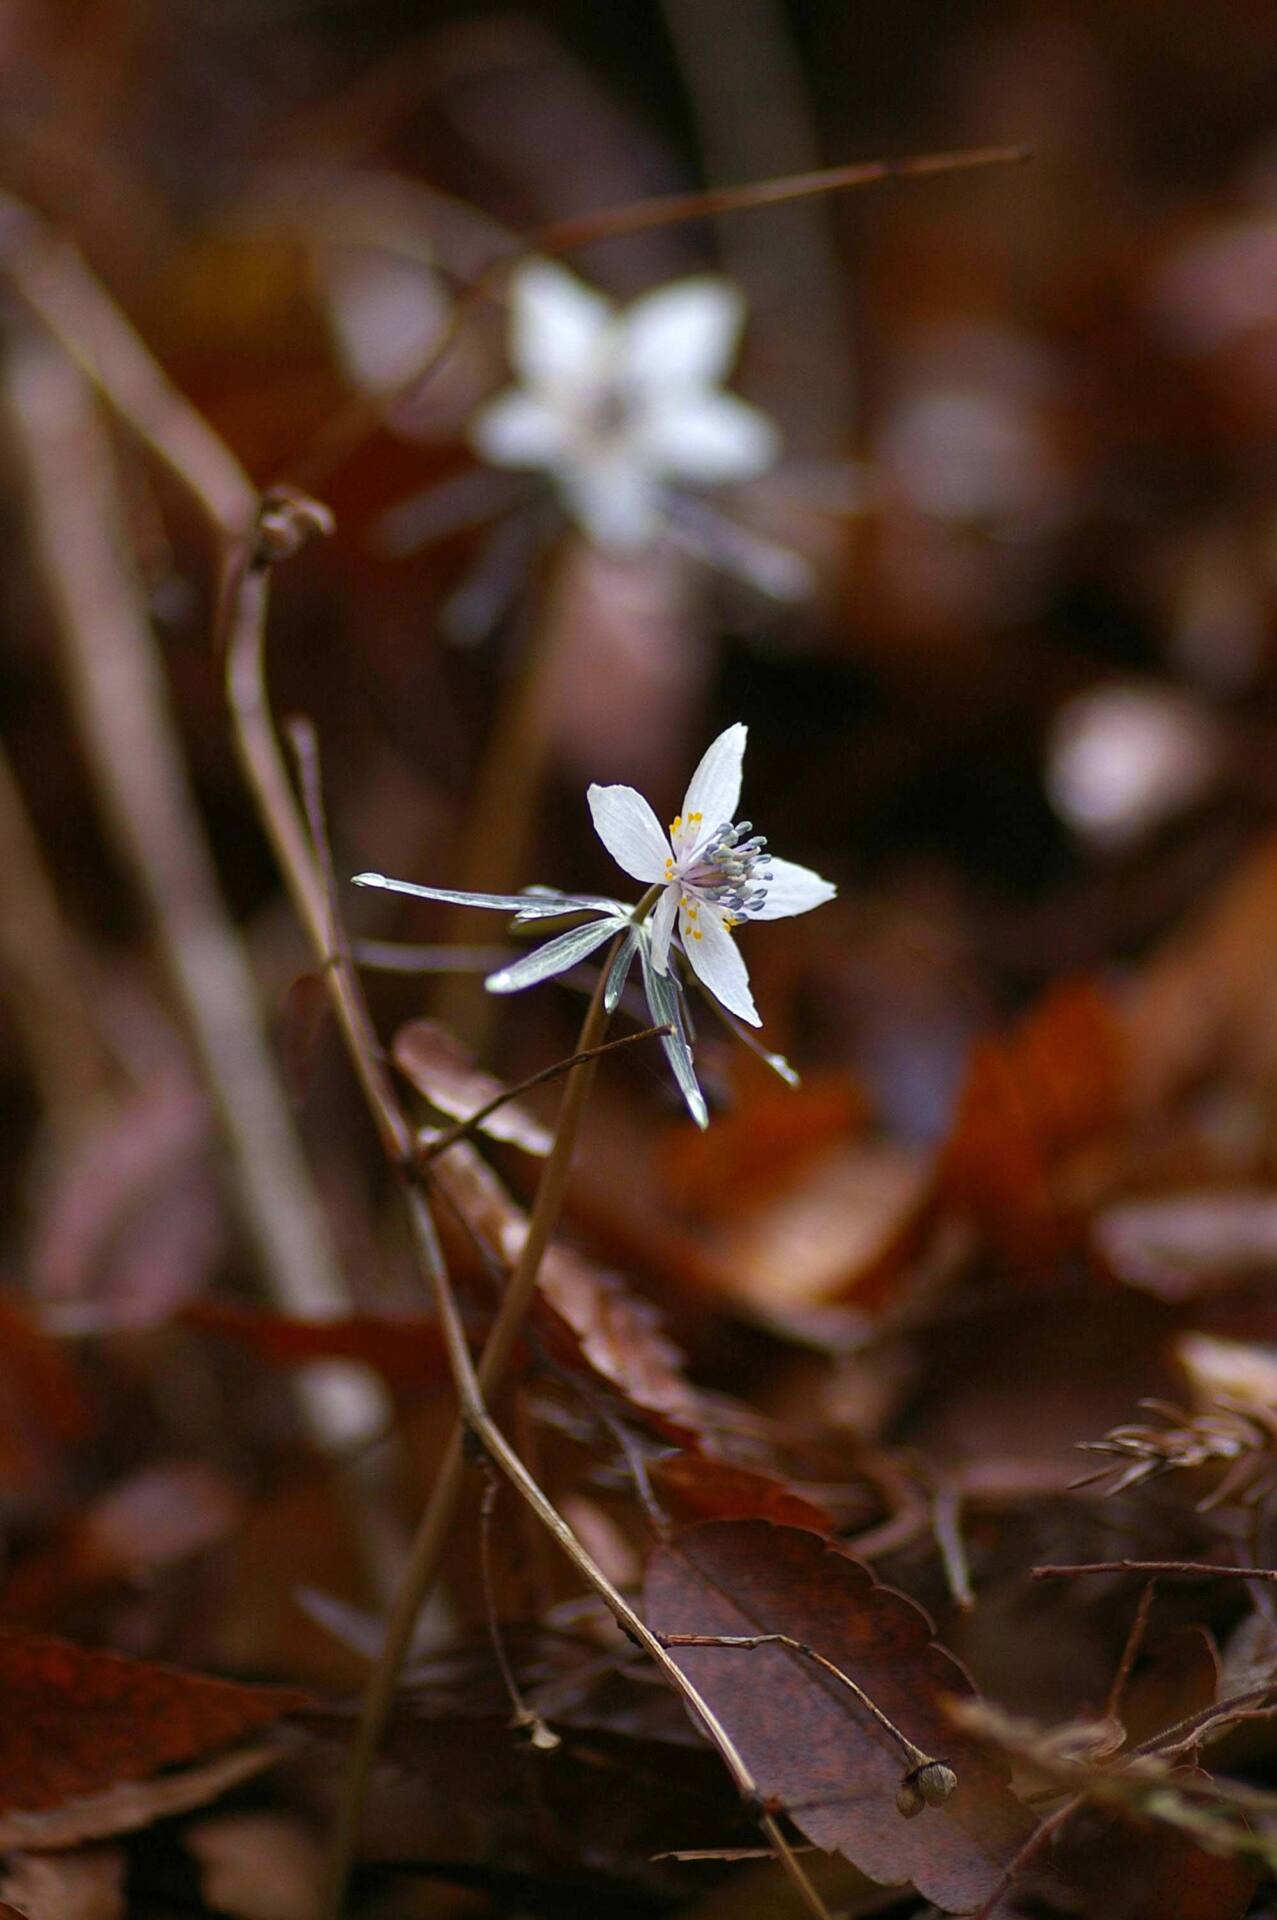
x,y
440,1068
807,1741
76,1722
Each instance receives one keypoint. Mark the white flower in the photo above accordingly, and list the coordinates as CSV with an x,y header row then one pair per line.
x,y
614,405
713,872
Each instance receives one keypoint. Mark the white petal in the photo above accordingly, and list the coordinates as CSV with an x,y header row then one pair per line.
x,y
686,333
662,924
615,500
707,438
558,326
718,966
518,430
556,956
792,889
714,788
630,831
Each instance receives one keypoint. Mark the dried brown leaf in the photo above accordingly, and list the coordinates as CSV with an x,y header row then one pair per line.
x,y
441,1069
130,1804
88,1885
808,1742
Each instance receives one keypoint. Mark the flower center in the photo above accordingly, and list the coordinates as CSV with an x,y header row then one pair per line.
x,y
729,869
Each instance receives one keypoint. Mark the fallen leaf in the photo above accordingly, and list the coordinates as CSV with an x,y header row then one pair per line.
x,y
586,1313
257,1866
757,1148
1179,1246
1032,1102
696,1486
810,1745
441,1069
160,1517
67,1886
43,1409
405,1349
131,1804
77,1722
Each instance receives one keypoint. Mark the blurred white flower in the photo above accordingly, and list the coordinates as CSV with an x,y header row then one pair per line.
x,y
703,880
617,404
1123,759
713,872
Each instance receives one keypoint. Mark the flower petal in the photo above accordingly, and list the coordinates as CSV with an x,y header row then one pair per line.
x,y
630,831
683,334
518,430
614,497
556,956
662,925
558,326
664,997
714,788
792,889
708,438
718,966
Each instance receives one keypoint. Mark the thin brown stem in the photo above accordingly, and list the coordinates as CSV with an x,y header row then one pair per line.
x,y
1130,1651
53,281
428,1544
484,1430
1198,1569
246,592
521,1715
501,808
117,689
448,1136
69,1060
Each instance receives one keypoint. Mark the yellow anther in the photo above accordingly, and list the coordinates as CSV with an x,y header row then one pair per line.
x,y
695,816
697,934
676,823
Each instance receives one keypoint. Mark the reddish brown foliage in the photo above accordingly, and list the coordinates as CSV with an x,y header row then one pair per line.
x,y
76,1722
695,1486
1033,1102
406,1350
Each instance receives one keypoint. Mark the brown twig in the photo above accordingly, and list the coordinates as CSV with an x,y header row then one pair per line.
x,y
121,705
69,1060
54,282
245,599
484,1431
1200,1569
1130,1652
